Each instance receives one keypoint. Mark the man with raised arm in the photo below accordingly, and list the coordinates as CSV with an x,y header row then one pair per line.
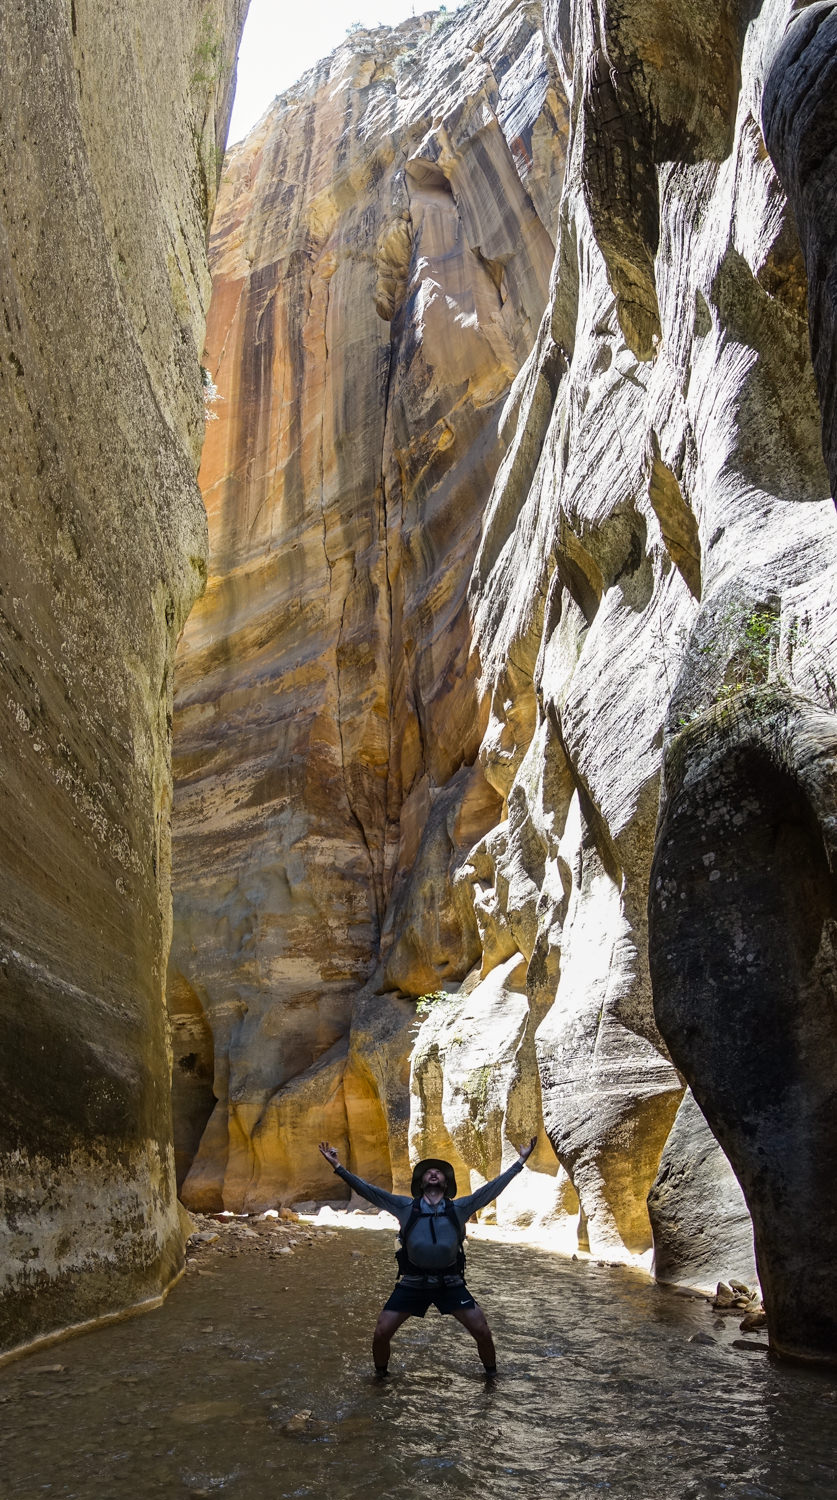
x,y
431,1261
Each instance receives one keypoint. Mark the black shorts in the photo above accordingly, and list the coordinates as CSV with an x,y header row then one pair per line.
x,y
415,1300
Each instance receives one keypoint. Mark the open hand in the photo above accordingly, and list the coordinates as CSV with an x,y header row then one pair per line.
x,y
331,1155
524,1152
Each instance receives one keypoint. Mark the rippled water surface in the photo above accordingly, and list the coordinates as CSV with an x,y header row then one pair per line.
x,y
254,1381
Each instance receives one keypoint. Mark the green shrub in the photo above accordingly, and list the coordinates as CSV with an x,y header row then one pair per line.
x,y
426,1003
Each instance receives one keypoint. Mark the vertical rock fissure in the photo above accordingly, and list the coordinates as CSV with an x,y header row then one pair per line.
x,y
391,716
344,759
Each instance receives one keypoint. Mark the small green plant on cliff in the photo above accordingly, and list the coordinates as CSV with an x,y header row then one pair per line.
x,y
426,1003
761,638
748,644
477,1088
208,56
750,665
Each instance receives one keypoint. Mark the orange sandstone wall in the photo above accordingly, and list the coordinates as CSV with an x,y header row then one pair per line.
x,y
381,255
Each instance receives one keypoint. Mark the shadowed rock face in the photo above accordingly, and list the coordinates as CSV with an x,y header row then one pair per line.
x,y
743,929
440,693
800,122
107,161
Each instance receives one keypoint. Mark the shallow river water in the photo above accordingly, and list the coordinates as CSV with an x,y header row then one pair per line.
x,y
253,1382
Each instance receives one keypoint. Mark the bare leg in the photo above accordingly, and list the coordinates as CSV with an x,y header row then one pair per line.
x,y
385,1327
474,1319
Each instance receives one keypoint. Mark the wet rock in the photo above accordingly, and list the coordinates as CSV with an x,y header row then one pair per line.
x,y
724,1296
701,1338
297,1424
753,1321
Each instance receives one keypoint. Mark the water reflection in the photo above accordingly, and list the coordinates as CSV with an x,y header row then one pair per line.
x,y
254,1381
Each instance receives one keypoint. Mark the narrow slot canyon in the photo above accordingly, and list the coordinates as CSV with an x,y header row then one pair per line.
x,y
419,734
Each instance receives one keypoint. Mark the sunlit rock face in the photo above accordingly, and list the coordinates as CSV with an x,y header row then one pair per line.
x,y
659,538
745,844
381,256
441,694
107,153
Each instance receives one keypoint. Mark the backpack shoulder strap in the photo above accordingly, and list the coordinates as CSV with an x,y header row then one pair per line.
x,y
450,1213
415,1213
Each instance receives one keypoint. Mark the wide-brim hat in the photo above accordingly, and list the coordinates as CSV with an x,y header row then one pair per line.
x,y
444,1166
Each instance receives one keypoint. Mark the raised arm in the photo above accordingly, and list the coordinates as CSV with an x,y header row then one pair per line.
x,y
466,1206
391,1203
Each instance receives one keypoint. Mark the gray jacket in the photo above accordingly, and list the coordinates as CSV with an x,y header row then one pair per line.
x,y
425,1251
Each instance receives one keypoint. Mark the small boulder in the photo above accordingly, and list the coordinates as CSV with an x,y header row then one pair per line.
x,y
753,1321
297,1423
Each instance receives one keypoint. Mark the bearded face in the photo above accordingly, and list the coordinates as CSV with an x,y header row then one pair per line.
x,y
433,1180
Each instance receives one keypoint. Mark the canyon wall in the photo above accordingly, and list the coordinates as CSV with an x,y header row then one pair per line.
x,y
381,257
111,118
504,544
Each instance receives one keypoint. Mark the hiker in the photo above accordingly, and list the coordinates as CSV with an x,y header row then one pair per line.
x,y
431,1260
